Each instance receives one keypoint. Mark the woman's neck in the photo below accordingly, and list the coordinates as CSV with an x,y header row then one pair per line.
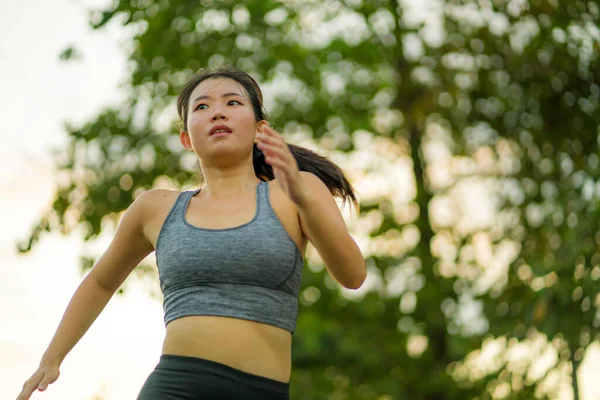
x,y
228,183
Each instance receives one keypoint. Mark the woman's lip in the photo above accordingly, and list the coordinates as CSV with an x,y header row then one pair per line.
x,y
220,134
220,127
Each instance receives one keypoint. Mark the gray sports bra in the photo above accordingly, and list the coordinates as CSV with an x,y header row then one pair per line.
x,y
252,271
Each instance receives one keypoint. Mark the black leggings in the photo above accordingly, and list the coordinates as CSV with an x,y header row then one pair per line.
x,y
191,378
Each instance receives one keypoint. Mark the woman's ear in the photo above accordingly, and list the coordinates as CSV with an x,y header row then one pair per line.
x,y
259,127
184,137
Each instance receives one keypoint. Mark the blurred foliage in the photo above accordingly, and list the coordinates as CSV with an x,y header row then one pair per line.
x,y
500,95
70,53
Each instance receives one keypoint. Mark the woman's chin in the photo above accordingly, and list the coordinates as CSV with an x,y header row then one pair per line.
x,y
226,156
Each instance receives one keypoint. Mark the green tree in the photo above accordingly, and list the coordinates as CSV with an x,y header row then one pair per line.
x,y
508,108
521,88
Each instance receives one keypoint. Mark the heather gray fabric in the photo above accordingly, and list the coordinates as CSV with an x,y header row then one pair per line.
x,y
252,271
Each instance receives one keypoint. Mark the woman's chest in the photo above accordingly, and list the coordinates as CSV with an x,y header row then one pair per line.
x,y
230,216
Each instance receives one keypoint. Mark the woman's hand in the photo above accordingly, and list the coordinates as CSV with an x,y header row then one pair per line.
x,y
285,168
45,375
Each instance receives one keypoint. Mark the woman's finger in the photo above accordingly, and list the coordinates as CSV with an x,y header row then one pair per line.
x,y
276,140
286,167
267,148
40,380
45,382
275,152
271,148
262,138
29,387
280,150
272,133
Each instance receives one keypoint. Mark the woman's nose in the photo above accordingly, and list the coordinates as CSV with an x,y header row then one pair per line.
x,y
218,114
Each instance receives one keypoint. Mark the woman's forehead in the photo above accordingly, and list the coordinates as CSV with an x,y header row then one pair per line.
x,y
216,87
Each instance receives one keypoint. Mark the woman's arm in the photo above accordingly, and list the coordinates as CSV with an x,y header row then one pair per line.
x,y
320,218
323,225
126,250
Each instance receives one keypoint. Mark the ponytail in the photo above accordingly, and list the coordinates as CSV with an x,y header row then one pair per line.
x,y
329,173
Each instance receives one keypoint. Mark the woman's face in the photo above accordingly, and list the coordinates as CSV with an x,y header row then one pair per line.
x,y
221,122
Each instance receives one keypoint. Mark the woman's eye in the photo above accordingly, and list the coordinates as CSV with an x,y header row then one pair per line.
x,y
200,106
233,101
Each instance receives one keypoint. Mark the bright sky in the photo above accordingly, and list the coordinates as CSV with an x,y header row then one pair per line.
x,y
38,93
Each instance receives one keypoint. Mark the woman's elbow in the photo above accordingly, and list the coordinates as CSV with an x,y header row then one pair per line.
x,y
357,280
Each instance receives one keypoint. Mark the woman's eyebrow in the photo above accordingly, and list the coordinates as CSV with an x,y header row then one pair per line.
x,y
224,95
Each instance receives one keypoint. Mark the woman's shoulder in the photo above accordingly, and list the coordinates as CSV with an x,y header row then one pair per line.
x,y
154,206
152,196
154,200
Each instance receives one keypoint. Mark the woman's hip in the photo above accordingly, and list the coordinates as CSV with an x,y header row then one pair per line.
x,y
190,378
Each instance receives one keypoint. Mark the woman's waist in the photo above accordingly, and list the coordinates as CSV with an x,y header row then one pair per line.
x,y
269,306
249,346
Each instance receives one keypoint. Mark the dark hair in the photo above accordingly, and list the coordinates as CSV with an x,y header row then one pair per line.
x,y
331,175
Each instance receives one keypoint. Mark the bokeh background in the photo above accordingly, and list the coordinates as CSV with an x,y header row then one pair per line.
x,y
469,129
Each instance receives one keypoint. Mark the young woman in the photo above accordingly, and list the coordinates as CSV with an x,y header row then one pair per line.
x,y
229,255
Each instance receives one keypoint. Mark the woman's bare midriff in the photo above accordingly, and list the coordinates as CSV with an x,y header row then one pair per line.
x,y
252,347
